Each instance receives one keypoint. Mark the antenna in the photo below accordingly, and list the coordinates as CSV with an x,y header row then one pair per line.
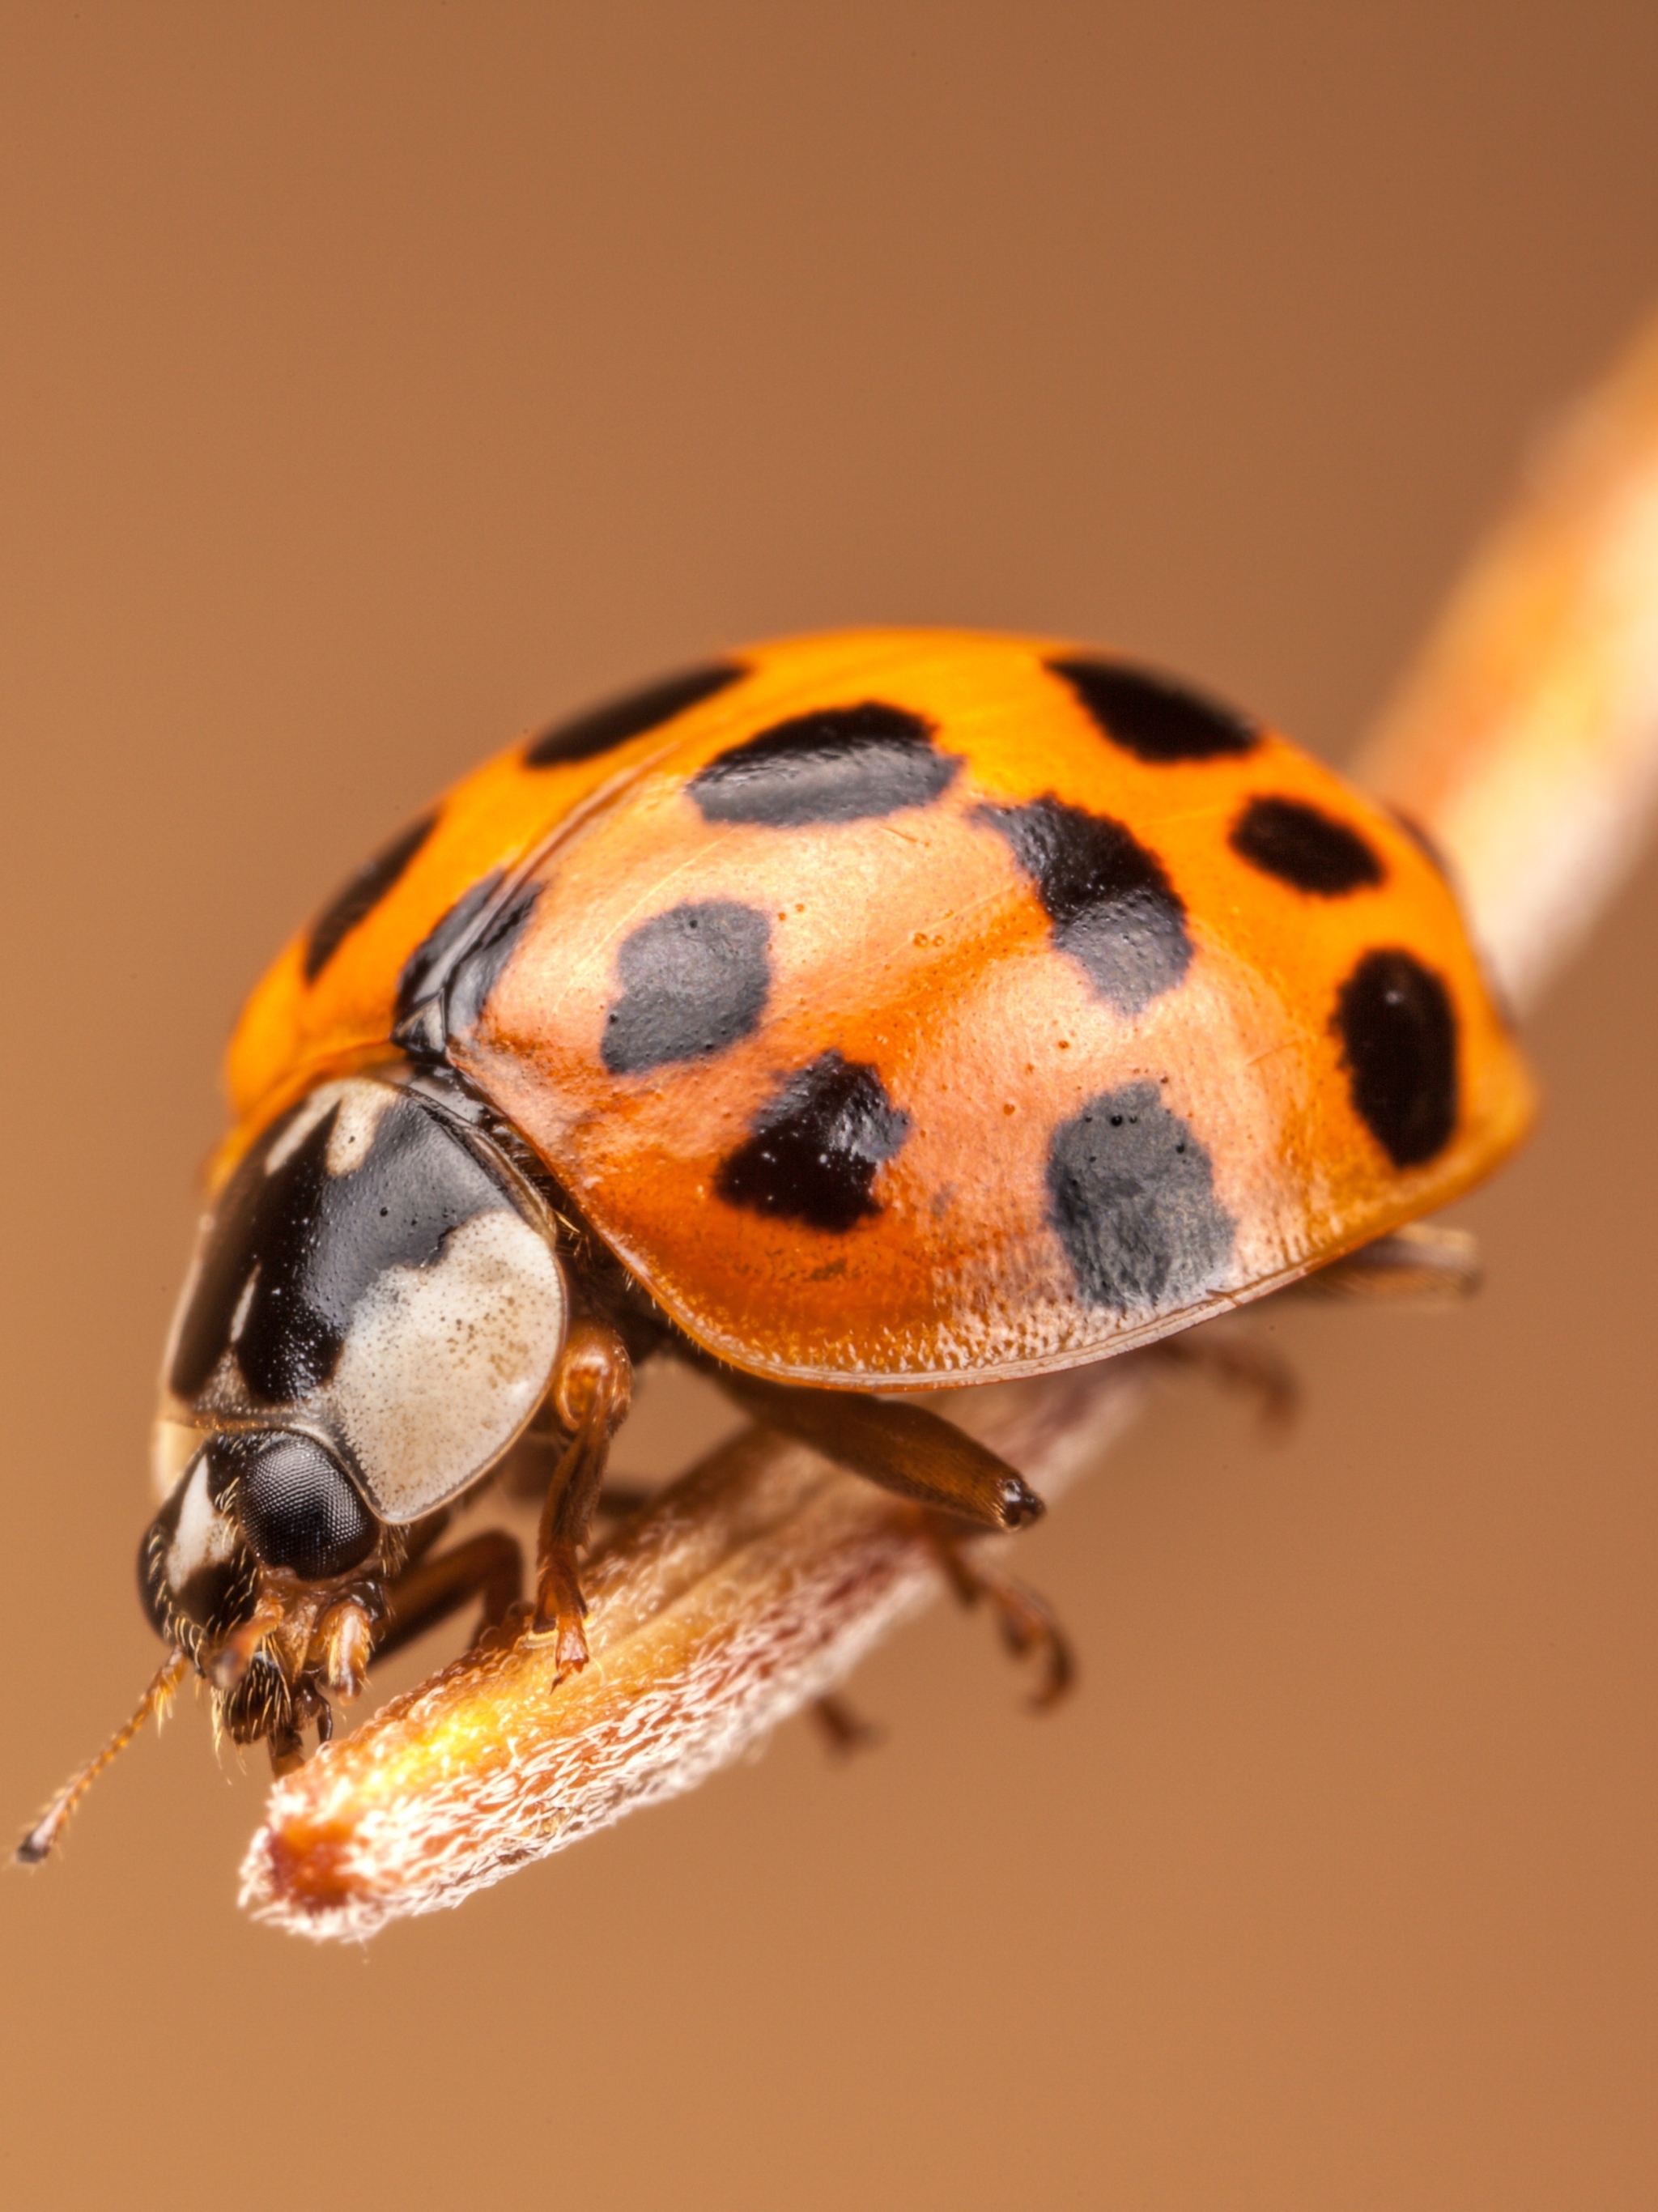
x,y
46,1830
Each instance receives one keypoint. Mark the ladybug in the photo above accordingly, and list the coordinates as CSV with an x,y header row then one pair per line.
x,y
860,1014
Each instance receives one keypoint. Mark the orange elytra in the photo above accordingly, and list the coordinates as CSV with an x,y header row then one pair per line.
x,y
946,901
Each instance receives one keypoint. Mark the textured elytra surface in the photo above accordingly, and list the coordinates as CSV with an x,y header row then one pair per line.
x,y
1132,1196
693,981
1004,878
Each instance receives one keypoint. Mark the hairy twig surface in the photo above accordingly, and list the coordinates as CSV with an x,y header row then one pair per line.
x,y
751,1586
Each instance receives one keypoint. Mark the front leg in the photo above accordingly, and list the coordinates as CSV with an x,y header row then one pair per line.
x,y
488,1566
591,1394
424,1591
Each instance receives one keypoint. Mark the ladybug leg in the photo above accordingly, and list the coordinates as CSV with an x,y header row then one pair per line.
x,y
1228,1354
528,1467
423,1593
905,1448
591,1392
1028,1627
534,1461
1421,1264
489,1566
842,1728
622,1500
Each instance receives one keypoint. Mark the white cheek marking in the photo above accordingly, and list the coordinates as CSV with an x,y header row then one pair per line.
x,y
238,1319
203,1538
173,1446
444,1364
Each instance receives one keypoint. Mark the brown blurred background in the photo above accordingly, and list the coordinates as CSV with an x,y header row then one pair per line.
x,y
375,381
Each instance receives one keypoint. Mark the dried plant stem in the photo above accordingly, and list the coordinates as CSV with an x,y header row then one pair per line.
x,y
1526,739
754,1585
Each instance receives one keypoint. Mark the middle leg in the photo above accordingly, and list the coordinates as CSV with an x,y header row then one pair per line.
x,y
907,1449
1028,1627
966,1488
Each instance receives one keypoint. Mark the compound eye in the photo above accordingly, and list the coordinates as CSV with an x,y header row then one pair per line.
x,y
298,1507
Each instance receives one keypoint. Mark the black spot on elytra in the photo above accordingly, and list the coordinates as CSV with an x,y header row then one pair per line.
x,y
1398,1031
1112,907
357,900
836,764
601,728
816,1148
1309,850
448,976
1150,716
693,980
310,1243
1130,1195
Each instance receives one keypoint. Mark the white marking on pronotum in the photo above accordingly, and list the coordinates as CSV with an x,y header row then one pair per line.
x,y
238,1319
360,1102
173,1446
443,1364
305,1120
352,1137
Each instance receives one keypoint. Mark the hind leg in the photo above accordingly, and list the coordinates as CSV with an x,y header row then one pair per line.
x,y
1026,1621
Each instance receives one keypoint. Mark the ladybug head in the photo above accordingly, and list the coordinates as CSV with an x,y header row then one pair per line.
x,y
264,1567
